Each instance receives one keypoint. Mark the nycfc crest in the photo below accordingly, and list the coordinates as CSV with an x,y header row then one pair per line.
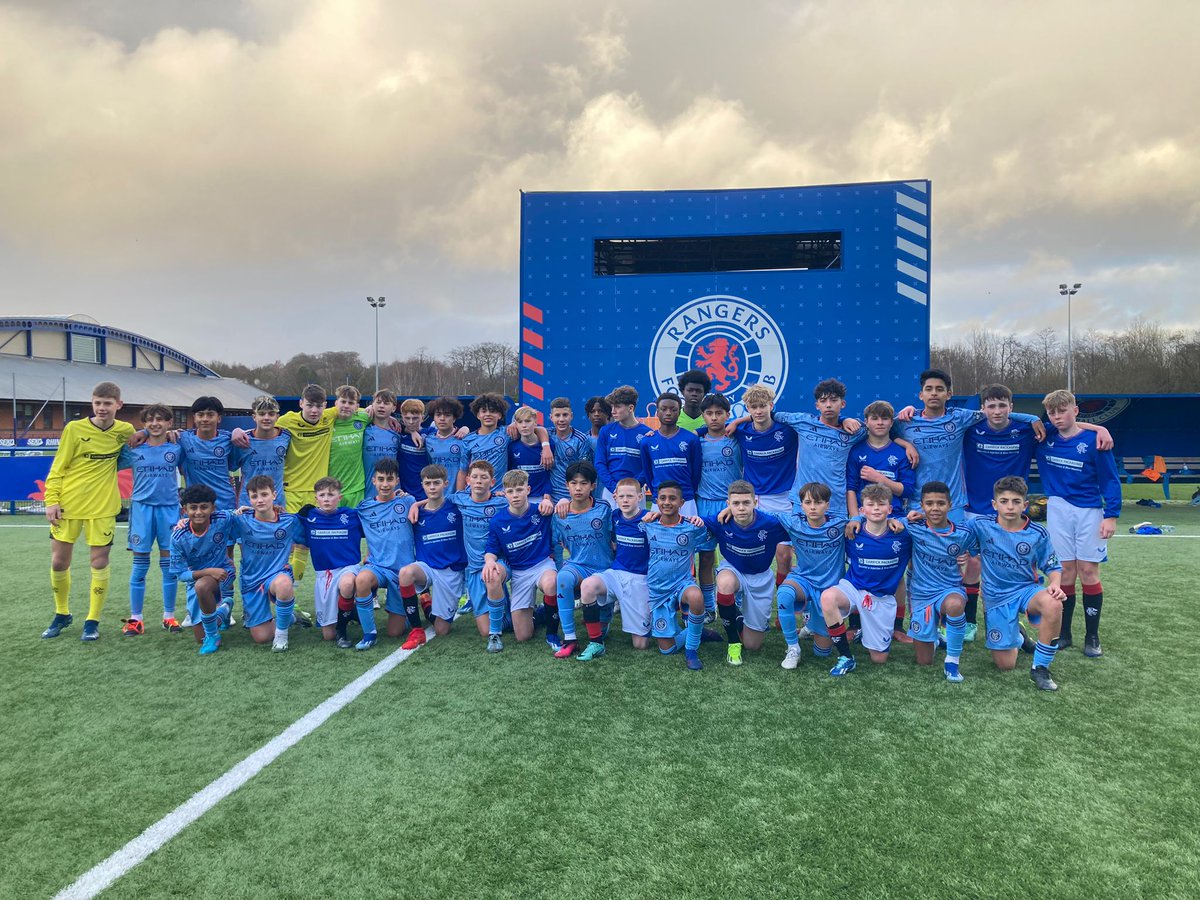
x,y
730,339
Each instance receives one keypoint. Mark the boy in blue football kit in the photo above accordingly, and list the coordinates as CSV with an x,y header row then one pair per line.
x,y
619,445
152,516
441,558
586,533
1013,549
673,542
478,505
525,454
445,448
570,445
200,561
879,460
267,451
380,439
390,548
671,454
720,466
266,538
625,580
1084,493
518,548
768,462
333,535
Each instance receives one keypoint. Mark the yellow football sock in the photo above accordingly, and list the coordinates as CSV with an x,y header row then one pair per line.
x,y
299,560
99,593
60,586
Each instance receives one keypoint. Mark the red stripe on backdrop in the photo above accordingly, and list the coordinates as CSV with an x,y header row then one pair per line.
x,y
533,390
531,311
531,337
533,364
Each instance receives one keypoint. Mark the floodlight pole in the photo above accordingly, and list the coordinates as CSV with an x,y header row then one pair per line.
x,y
377,303
1070,292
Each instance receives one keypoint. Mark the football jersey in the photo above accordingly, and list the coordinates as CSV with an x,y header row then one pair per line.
x,y
307,459
388,532
587,536
889,460
749,549
379,443
208,462
768,457
720,466
345,452
820,552
823,455
528,459
1011,559
632,551
264,456
492,447
619,453
878,562
412,460
674,458
574,448
191,552
334,539
522,541
693,424
447,452
83,476
672,547
1073,469
439,537
990,455
155,473
935,558
266,546
476,515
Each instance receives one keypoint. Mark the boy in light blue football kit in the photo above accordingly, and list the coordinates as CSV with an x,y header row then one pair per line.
x,y
267,451
380,440
1084,493
200,561
441,557
478,505
334,536
266,538
390,547
1013,549
720,466
445,448
570,445
586,533
153,516
619,445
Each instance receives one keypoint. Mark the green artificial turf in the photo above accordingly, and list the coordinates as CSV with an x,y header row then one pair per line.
x,y
463,774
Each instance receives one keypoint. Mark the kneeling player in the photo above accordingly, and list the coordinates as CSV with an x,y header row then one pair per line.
x,y
585,532
878,560
441,559
333,535
518,548
266,538
1012,549
200,561
389,549
625,581
477,504
673,542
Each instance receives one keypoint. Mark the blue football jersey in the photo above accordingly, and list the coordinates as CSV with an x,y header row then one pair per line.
x,y
207,462
439,537
1073,469
388,532
878,562
889,460
671,550
720,466
522,541
935,559
989,455
768,457
674,458
492,447
1011,559
820,552
334,539
619,453
476,515
587,536
449,453
823,455
379,443
412,460
528,458
266,546
155,473
262,457
574,448
751,549
191,552
632,549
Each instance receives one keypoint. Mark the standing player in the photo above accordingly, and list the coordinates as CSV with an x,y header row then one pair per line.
x,y
672,543
525,454
619,444
200,560
693,385
720,466
206,452
266,538
585,532
346,443
414,456
268,447
82,498
599,413
381,440
443,444
153,516
672,454
570,446
879,460
333,535
1085,500
478,505
390,548
489,441
441,558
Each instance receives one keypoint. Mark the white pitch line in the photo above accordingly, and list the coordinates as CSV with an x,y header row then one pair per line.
x,y
99,877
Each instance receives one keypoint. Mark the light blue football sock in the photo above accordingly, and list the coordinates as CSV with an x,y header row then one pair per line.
x,y
680,638
710,597
568,580
283,614
495,616
1043,654
956,627
822,651
786,598
170,587
365,607
137,584
695,626
209,621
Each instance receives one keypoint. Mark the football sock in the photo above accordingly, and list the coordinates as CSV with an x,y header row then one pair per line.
x,y
898,625
838,633
780,578
1093,599
137,584
606,615
283,615
344,616
98,593
972,608
822,651
591,621
495,616
695,627
299,561
551,614
170,587
568,581
1043,654
853,621
412,608
60,586
710,597
786,598
730,618
209,621
366,614
956,628
1068,610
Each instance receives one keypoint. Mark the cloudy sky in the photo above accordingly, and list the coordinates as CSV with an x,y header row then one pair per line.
x,y
253,170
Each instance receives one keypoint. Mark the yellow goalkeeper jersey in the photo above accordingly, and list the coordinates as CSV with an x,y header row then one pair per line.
x,y
307,459
83,476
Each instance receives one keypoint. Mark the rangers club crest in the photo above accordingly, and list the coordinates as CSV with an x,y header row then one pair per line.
x,y
730,339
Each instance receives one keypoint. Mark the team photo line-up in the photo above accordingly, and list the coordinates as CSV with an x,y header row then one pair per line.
x,y
835,526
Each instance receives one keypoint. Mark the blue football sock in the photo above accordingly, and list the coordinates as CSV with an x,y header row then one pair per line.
x,y
680,639
283,614
1043,654
786,598
710,597
956,627
366,614
695,625
209,621
495,616
606,617
822,651
170,587
137,584
568,580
